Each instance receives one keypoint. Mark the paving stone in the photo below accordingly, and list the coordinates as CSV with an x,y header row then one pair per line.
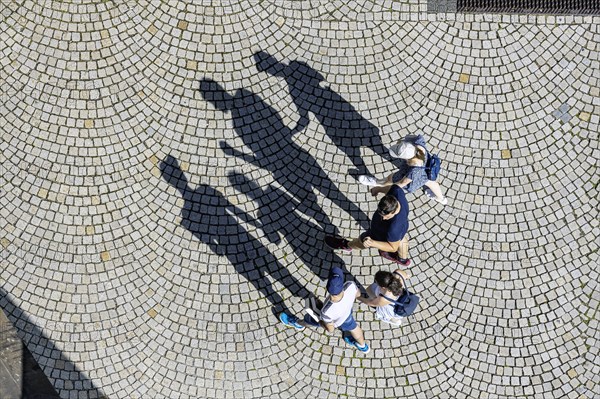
x,y
164,196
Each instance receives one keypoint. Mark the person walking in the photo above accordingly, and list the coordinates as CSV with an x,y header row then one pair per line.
x,y
387,288
387,232
336,311
411,175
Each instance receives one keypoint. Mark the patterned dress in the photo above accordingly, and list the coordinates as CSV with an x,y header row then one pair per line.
x,y
417,175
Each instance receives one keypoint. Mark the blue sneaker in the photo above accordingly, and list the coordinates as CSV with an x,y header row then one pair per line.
x,y
290,321
351,341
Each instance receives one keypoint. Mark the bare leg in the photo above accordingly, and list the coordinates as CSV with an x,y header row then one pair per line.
x,y
403,249
358,335
385,182
435,188
370,291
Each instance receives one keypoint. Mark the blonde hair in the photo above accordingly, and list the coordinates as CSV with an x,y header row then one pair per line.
x,y
419,157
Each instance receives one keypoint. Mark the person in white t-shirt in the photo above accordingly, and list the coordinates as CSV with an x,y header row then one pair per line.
x,y
336,311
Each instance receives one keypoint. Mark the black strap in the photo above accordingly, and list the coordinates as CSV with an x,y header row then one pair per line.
x,y
393,301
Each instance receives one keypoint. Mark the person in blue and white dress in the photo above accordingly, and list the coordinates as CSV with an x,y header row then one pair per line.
x,y
411,176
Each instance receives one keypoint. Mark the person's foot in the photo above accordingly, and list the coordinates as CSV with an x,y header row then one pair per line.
x,y
431,195
352,342
443,200
290,321
395,258
337,243
367,180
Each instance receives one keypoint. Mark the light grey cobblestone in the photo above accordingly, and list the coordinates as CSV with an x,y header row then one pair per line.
x,y
115,297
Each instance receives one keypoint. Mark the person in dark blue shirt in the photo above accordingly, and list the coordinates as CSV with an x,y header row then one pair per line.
x,y
387,233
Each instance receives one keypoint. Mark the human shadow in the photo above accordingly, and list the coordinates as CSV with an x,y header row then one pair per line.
x,y
278,216
345,126
209,216
262,130
46,371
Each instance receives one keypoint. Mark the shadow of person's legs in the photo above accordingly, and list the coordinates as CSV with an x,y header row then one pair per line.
x,y
207,214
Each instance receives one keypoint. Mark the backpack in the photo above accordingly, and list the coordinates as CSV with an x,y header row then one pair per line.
x,y
432,166
406,303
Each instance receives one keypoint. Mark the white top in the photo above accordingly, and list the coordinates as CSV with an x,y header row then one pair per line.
x,y
336,313
385,312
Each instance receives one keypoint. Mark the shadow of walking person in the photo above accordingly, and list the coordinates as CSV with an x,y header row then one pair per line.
x,y
342,123
262,130
209,217
278,217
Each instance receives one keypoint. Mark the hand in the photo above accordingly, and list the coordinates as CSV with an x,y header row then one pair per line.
x,y
227,149
368,242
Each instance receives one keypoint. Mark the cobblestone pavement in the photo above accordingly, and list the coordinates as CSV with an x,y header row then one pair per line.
x,y
164,194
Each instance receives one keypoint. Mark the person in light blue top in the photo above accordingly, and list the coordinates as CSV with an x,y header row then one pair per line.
x,y
411,175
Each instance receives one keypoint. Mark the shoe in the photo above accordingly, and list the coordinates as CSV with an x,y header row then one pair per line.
x,y
367,180
431,195
337,243
394,258
290,321
352,342
443,201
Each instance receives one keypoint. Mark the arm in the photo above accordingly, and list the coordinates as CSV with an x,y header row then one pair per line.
x,y
403,273
382,245
328,326
303,121
229,150
377,301
404,182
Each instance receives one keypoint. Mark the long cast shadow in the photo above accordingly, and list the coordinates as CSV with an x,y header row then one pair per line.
x,y
345,126
66,378
208,215
262,130
278,216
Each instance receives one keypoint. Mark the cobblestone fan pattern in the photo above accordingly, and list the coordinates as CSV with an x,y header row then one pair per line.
x,y
165,192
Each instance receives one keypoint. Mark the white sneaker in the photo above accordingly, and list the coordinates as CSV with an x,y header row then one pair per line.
x,y
431,195
443,201
367,180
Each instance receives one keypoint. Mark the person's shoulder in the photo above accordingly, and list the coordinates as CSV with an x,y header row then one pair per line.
x,y
397,192
326,306
350,284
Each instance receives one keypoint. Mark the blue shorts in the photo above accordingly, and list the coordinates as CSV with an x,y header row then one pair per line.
x,y
349,324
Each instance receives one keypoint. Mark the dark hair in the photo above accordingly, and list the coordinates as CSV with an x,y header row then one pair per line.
x,y
387,205
388,281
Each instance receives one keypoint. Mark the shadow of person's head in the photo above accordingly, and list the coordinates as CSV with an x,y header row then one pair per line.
x,y
301,71
263,199
265,62
215,94
295,71
172,173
